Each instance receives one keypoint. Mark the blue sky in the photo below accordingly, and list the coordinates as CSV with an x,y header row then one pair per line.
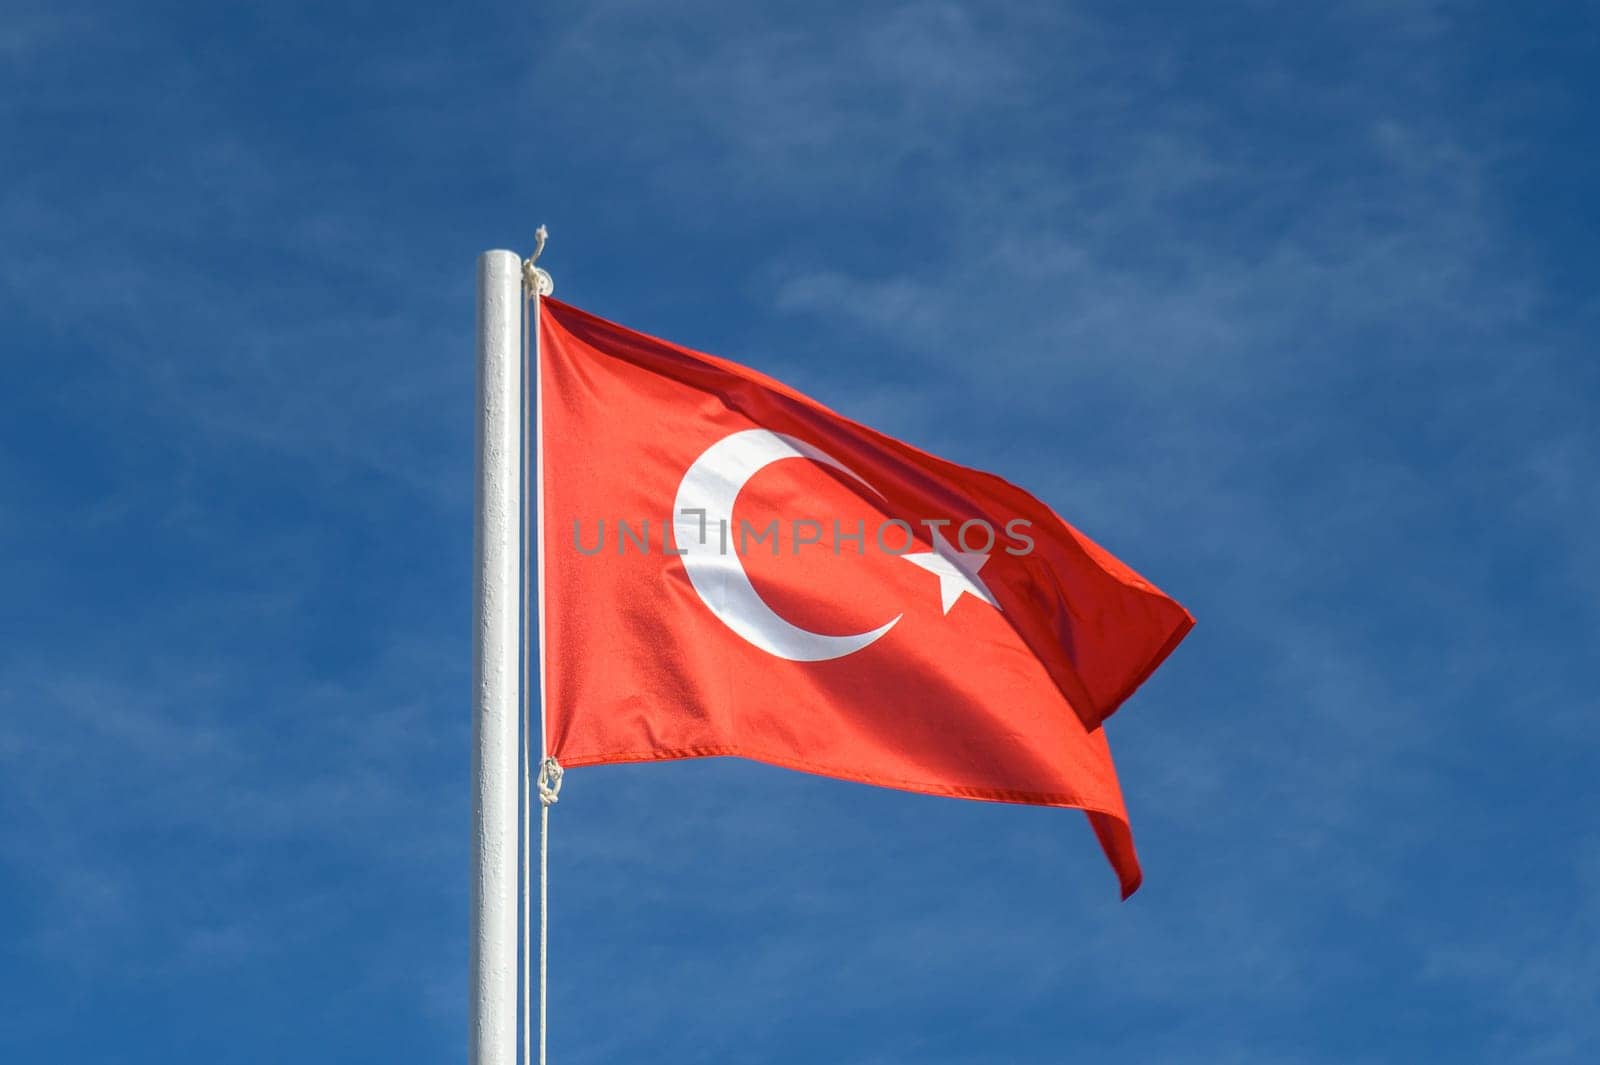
x,y
1291,306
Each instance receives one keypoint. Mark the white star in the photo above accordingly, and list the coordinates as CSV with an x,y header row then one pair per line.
x,y
957,571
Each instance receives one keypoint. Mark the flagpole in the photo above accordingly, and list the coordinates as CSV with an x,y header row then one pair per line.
x,y
493,981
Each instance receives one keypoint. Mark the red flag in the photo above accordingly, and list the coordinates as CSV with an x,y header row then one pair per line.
x,y
730,568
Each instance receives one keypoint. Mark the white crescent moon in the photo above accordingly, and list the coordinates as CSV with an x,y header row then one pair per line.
x,y
710,486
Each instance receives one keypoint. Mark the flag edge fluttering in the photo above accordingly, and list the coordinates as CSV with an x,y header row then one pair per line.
x,y
1119,848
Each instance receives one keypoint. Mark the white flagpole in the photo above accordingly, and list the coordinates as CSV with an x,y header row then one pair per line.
x,y
492,1022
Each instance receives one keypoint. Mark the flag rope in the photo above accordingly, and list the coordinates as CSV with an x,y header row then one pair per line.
x,y
549,790
527,298
536,283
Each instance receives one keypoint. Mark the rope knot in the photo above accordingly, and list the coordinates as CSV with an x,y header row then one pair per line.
x,y
536,280
549,782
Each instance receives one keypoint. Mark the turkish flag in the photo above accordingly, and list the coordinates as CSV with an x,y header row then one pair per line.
x,y
730,568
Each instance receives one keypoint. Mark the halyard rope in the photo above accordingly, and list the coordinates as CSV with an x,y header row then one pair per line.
x,y
536,283
527,990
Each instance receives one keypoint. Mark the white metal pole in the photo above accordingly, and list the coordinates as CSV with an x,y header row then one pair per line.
x,y
493,1009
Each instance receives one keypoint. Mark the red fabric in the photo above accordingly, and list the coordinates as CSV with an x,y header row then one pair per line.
x,y
1000,704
